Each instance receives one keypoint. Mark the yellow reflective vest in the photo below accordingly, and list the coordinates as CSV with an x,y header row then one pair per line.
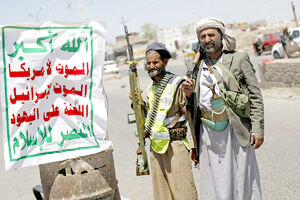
x,y
159,136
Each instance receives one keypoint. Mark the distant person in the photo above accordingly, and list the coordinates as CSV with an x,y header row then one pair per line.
x,y
170,163
286,34
259,43
226,134
284,39
260,37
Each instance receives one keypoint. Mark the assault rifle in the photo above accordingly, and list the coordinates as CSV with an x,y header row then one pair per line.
x,y
142,167
192,73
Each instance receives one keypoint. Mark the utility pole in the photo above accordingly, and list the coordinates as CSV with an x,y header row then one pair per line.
x,y
294,11
82,10
266,11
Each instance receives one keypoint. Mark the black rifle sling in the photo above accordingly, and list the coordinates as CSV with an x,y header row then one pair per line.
x,y
158,92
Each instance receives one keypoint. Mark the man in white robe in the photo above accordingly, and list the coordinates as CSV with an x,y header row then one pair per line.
x,y
224,139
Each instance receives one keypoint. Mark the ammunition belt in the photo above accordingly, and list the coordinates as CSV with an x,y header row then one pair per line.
x,y
214,116
158,92
177,133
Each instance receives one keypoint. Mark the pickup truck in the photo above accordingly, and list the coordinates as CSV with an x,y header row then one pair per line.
x,y
292,46
270,39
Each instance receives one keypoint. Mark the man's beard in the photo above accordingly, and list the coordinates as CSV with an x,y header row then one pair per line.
x,y
214,48
159,71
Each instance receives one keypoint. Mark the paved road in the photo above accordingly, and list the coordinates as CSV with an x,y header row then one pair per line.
x,y
278,158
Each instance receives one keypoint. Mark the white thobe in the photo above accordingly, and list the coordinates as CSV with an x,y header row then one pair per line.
x,y
228,171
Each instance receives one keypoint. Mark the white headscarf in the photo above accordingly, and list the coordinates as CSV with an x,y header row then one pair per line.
x,y
228,40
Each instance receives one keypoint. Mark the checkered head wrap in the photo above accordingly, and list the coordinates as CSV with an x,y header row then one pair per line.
x,y
228,41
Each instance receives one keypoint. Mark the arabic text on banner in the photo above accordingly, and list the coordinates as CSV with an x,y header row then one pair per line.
x,y
52,98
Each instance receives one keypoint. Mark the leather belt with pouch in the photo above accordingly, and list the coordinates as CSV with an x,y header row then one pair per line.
x,y
177,133
215,117
214,120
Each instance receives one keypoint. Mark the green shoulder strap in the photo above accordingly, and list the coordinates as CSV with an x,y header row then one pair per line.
x,y
227,71
219,81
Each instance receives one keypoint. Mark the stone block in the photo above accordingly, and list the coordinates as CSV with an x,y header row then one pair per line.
x,y
280,73
103,162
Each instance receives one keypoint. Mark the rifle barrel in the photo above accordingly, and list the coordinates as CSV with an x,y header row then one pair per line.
x,y
130,51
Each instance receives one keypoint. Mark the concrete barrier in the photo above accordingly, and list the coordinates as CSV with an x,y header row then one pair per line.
x,y
280,73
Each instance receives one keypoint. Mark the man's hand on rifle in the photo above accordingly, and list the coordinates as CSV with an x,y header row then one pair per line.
x,y
132,63
188,87
136,95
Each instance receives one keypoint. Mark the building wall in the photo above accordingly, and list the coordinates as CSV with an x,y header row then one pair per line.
x,y
177,38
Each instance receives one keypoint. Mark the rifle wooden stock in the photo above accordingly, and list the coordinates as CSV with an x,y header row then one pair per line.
x,y
197,57
196,60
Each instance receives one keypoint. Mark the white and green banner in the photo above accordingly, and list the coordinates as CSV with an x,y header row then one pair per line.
x,y
53,105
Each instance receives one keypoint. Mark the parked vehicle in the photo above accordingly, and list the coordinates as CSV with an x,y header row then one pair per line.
x,y
110,67
278,51
269,40
292,46
121,59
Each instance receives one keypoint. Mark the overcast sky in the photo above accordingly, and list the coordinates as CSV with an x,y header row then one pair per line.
x,y
163,13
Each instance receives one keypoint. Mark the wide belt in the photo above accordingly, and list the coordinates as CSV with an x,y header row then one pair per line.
x,y
177,133
214,116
